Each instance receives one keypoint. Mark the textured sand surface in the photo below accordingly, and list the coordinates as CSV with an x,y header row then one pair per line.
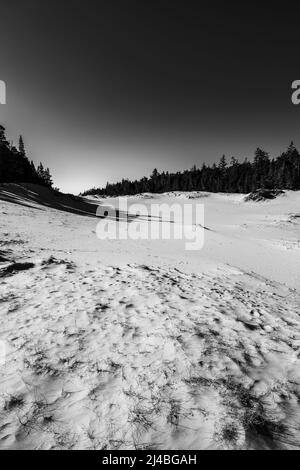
x,y
141,344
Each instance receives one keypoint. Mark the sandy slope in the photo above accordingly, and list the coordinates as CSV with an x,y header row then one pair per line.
x,y
140,344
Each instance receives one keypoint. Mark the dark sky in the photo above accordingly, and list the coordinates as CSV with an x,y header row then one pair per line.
x,y
102,90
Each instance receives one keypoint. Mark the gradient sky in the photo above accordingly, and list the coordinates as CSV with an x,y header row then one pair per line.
x,y
103,90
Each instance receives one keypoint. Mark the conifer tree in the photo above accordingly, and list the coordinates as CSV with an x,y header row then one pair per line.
x,y
21,146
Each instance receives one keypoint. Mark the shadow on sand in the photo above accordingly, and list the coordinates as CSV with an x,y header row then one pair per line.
x,y
37,197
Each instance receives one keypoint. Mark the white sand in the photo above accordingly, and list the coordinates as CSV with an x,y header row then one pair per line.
x,y
142,344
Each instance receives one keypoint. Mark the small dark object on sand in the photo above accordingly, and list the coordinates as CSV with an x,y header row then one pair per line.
x,y
14,268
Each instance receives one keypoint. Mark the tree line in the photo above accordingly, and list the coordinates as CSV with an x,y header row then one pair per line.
x,y
15,166
263,172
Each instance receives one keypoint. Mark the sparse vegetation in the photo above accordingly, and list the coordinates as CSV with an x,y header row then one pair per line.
x,y
14,268
230,433
263,194
256,421
15,401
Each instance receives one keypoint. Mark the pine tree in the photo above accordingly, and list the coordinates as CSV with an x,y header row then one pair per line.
x,y
261,168
40,171
21,146
3,140
47,178
223,163
234,161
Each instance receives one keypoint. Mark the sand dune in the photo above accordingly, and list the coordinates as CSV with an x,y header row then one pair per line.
x,y
122,344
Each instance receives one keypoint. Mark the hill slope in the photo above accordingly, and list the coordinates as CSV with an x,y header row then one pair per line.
x,y
34,195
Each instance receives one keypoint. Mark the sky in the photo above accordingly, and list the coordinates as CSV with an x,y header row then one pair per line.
x,y
104,90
